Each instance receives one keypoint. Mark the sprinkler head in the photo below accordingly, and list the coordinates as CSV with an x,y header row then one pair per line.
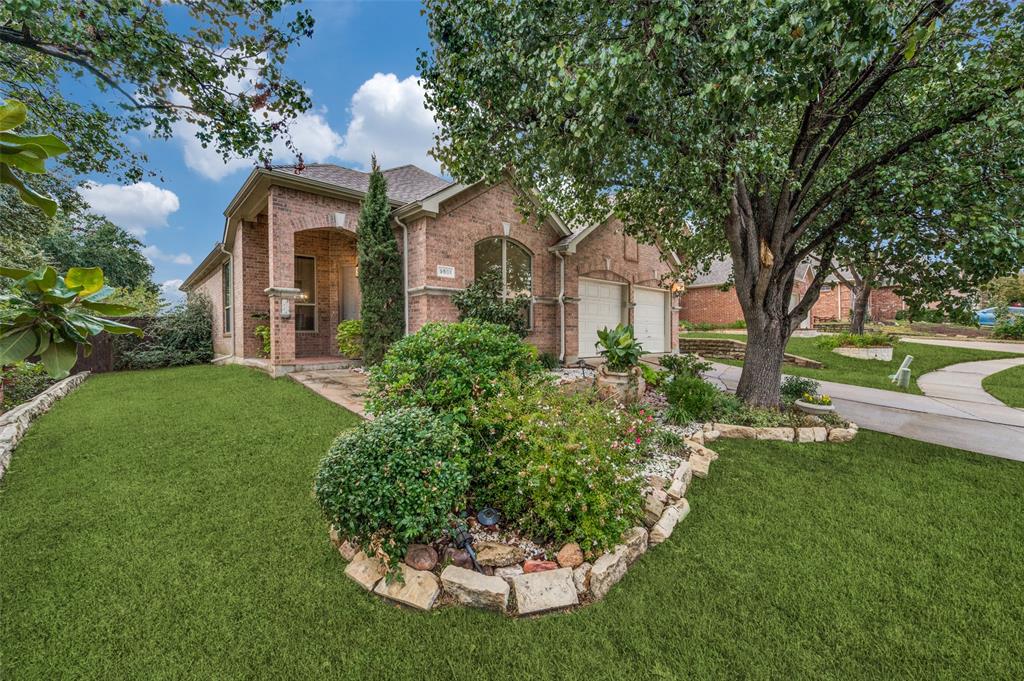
x,y
488,517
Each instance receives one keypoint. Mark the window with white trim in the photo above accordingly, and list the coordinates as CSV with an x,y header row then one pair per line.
x,y
226,294
515,264
305,302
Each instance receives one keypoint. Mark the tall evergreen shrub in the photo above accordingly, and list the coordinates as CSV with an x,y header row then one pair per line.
x,y
380,271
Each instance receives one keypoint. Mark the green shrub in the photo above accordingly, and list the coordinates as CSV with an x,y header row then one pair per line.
x,y
856,340
684,365
350,338
394,480
448,368
558,466
619,347
1009,326
548,360
483,300
182,335
652,376
23,381
690,399
263,333
794,387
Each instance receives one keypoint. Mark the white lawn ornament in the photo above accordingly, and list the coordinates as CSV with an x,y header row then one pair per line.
x,y
902,375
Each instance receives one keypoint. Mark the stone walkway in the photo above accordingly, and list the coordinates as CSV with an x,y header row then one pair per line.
x,y
985,428
345,387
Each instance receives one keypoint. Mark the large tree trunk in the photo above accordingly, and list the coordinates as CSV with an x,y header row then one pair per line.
x,y
762,361
859,313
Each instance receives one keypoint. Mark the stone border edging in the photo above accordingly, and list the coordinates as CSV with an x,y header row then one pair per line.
x,y
15,422
712,431
555,586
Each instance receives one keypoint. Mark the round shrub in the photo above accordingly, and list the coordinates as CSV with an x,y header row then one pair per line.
x,y
448,368
350,338
559,467
690,399
394,480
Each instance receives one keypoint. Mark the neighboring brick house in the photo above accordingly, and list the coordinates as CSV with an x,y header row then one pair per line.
x,y
711,298
288,260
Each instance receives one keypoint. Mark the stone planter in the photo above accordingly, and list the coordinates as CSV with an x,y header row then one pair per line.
x,y
881,353
625,387
815,409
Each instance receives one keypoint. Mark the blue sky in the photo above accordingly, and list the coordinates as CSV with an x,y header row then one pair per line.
x,y
360,67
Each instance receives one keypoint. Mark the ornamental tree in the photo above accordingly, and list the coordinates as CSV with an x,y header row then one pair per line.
x,y
218,65
768,130
380,271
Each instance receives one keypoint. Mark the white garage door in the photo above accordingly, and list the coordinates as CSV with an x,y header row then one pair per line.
x,y
601,305
649,319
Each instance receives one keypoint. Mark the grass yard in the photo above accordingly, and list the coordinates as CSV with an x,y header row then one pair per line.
x,y
1007,386
160,525
869,373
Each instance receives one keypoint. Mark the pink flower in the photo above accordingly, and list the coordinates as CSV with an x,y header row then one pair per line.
x,y
638,440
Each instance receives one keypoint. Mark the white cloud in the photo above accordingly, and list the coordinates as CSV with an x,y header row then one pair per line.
x,y
153,253
169,291
390,119
135,207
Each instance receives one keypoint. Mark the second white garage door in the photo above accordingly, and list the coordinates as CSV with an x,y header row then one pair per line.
x,y
601,306
649,319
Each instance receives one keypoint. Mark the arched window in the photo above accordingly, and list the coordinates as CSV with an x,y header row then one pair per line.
x,y
513,262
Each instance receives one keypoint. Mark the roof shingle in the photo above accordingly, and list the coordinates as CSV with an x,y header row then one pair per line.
x,y
405,183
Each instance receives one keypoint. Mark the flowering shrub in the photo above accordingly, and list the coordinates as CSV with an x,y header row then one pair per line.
x,y
448,368
559,466
394,480
824,400
795,387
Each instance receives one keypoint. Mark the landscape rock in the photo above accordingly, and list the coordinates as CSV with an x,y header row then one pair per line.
x,y
635,541
657,481
779,434
684,508
474,589
700,465
684,472
365,571
570,555
662,529
711,436
508,572
661,495
820,434
727,430
531,566
348,550
498,555
418,588
676,490
707,453
457,557
581,578
541,591
805,435
698,437
841,434
608,570
653,508
421,557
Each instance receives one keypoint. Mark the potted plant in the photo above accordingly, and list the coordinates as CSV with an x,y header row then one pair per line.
x,y
620,375
817,405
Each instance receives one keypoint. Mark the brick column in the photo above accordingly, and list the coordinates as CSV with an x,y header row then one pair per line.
x,y
282,326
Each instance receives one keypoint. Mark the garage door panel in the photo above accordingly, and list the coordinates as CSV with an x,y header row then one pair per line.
x,y
600,307
649,316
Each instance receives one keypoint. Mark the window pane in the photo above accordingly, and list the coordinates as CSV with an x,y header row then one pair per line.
x,y
305,317
305,279
487,254
518,278
225,272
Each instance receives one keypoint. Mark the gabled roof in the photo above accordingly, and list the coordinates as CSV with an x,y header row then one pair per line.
x,y
719,273
406,183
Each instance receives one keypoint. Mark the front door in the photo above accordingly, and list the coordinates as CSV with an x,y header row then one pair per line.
x,y
349,292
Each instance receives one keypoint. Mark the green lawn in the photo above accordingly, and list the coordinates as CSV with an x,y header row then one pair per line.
x,y
1007,386
869,373
160,525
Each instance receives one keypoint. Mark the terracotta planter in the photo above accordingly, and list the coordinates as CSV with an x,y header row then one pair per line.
x,y
625,387
814,409
881,353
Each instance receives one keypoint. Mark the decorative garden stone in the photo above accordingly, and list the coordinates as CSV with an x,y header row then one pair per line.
x,y
841,434
608,570
710,454
474,589
676,490
421,557
700,465
570,556
635,541
697,437
418,588
820,434
581,577
365,571
780,434
653,508
683,472
805,435
662,529
348,550
508,572
711,435
498,555
532,566
541,591
657,482
727,430
458,557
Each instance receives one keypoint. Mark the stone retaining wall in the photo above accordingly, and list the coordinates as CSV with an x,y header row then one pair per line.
x,y
723,348
713,431
15,422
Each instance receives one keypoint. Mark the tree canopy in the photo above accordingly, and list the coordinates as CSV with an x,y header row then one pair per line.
x,y
768,130
217,64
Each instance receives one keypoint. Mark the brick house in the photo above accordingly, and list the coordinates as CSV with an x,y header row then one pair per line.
x,y
711,299
288,260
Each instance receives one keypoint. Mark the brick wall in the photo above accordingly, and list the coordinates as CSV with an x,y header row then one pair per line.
x,y
211,287
710,305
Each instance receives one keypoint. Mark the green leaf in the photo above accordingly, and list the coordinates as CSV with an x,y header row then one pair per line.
x,y
17,344
42,279
59,358
27,194
12,114
27,162
112,309
102,294
50,144
14,272
43,339
87,280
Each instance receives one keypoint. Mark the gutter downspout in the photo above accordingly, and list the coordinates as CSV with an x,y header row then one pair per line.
x,y
561,306
231,265
405,271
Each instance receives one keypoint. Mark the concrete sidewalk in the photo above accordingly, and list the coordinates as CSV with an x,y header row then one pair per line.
x,y
970,344
993,429
962,382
